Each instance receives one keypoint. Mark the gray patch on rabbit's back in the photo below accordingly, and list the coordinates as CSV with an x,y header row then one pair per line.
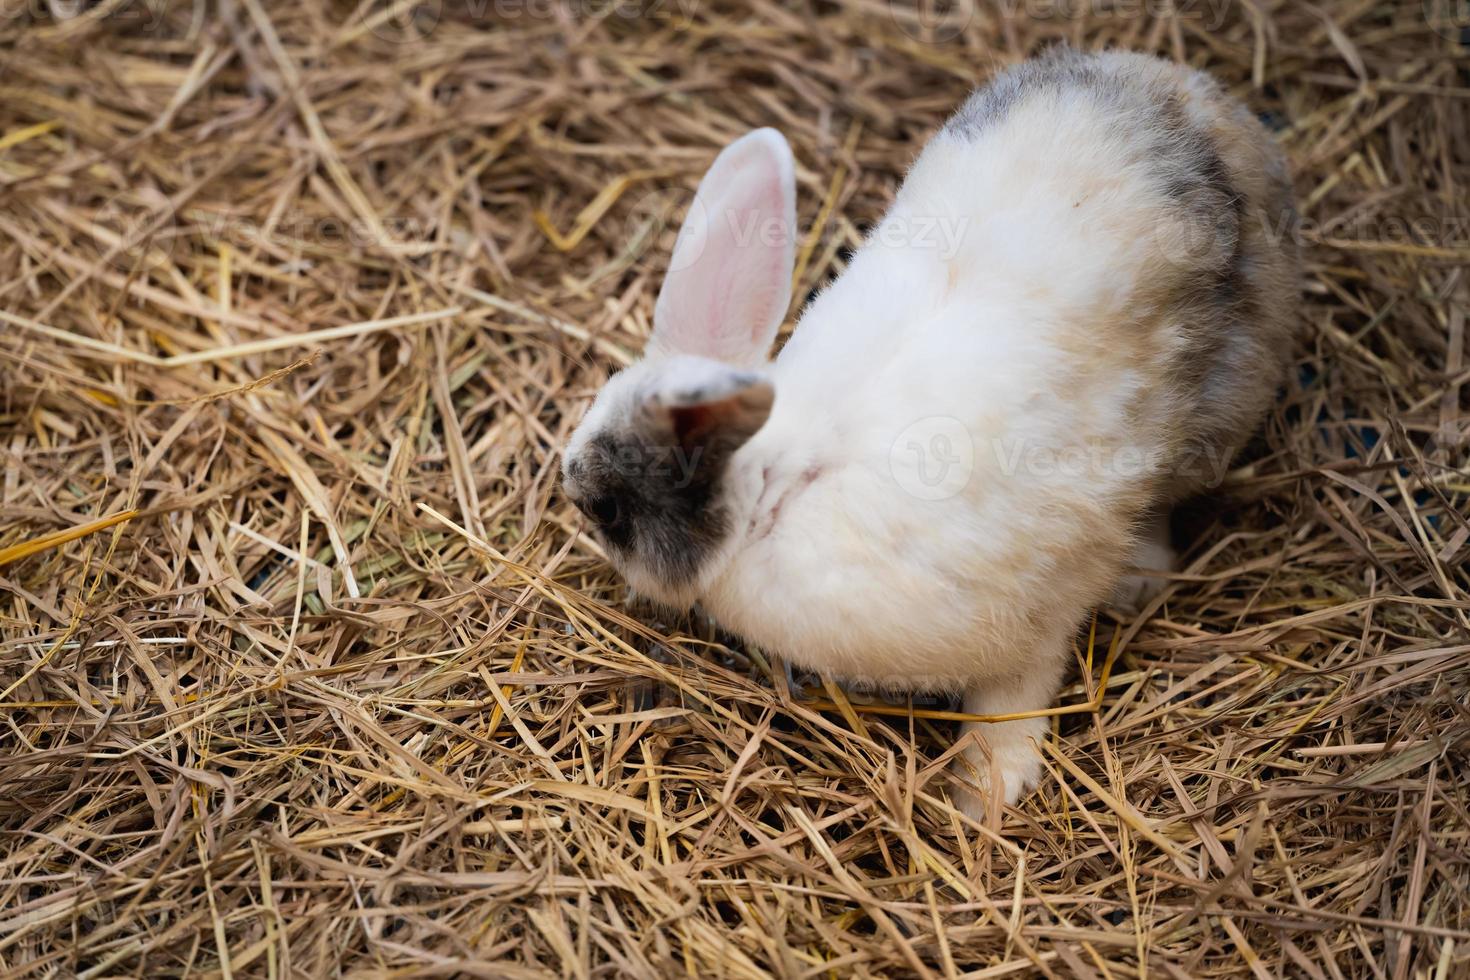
x,y
1141,96
1234,296
1126,93
1054,72
1222,282
1210,207
670,517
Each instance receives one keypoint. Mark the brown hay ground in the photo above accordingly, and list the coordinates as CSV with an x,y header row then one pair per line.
x,y
319,289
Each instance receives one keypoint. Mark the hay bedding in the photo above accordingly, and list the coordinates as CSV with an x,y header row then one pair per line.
x,y
347,695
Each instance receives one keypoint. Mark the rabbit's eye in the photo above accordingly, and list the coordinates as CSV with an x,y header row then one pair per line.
x,y
603,510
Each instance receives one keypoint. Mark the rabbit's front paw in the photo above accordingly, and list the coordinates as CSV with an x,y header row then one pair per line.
x,y
1007,767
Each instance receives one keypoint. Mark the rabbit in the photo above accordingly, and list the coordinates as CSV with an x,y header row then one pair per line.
x,y
969,441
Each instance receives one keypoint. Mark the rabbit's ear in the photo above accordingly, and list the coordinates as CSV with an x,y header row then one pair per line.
x,y
704,406
729,280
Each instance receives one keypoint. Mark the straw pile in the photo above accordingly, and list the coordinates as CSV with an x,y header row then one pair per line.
x,y
318,289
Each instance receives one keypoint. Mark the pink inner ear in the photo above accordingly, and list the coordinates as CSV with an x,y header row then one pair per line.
x,y
729,281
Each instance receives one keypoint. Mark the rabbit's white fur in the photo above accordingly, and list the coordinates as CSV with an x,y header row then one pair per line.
x,y
1024,315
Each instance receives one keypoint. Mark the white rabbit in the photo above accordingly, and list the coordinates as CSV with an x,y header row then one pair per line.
x,y
1081,302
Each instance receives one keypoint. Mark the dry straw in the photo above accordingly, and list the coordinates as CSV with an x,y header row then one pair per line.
x,y
307,670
